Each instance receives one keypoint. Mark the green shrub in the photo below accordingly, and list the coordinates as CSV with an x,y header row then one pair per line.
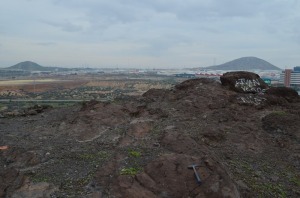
x,y
129,171
135,153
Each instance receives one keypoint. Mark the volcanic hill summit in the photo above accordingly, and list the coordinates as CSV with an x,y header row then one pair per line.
x,y
27,66
30,66
245,63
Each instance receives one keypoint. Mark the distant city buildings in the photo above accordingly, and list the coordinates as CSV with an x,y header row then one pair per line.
x,y
290,77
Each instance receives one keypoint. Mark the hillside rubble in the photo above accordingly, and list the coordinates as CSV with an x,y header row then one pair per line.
x,y
243,135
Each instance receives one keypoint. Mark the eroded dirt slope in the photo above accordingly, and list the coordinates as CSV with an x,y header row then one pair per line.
x,y
246,144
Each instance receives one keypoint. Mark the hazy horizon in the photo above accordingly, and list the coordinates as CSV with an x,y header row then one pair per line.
x,y
120,67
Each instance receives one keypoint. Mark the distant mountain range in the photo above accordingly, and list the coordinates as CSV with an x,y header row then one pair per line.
x,y
31,66
245,63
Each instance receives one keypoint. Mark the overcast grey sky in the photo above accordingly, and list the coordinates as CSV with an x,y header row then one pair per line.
x,y
148,33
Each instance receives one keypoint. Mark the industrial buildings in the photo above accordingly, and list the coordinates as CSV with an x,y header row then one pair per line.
x,y
290,77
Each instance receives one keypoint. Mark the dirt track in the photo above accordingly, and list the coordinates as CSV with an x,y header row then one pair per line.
x,y
246,145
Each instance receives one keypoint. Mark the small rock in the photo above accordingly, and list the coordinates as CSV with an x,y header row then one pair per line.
x,y
279,131
258,173
208,162
274,178
156,144
170,127
32,112
242,184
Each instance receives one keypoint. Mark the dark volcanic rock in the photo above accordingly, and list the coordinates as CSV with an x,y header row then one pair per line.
x,y
37,109
283,123
154,94
284,92
193,83
10,180
35,190
246,144
169,176
243,82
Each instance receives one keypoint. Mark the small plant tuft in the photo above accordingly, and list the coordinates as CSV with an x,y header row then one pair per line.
x,y
135,153
280,113
129,171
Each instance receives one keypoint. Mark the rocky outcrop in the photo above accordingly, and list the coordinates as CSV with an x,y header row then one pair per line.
x,y
10,180
170,176
244,82
245,141
284,92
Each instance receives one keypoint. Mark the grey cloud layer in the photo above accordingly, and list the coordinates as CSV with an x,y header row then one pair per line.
x,y
190,14
158,28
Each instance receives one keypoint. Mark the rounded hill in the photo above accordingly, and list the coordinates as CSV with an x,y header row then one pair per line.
x,y
27,66
245,63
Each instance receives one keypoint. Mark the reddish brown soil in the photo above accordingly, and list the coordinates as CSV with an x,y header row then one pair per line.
x,y
42,87
245,145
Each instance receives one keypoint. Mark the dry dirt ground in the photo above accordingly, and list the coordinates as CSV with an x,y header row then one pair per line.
x,y
82,86
42,84
245,145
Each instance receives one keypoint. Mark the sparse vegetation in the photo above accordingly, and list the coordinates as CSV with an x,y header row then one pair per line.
x,y
280,113
40,178
295,180
144,144
85,88
134,153
254,176
129,171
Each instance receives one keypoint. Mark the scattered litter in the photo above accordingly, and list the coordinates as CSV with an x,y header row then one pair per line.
x,y
3,147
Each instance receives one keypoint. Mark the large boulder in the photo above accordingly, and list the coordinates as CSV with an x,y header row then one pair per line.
x,y
244,82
